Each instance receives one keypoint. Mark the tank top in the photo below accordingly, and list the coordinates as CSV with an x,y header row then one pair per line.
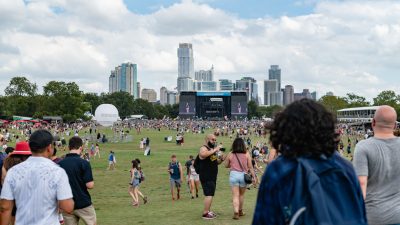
x,y
235,166
176,175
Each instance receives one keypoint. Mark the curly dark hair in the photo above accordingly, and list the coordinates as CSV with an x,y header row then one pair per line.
x,y
304,128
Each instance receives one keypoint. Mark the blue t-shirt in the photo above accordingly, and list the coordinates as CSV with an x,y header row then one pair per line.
x,y
111,157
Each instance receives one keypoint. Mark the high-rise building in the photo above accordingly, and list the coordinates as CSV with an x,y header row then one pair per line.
x,y
172,97
275,73
204,75
226,85
163,95
306,93
205,85
249,85
149,95
139,90
124,78
275,98
288,96
185,67
329,93
269,86
314,95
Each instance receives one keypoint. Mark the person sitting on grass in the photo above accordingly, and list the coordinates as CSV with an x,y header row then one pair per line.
x,y
175,172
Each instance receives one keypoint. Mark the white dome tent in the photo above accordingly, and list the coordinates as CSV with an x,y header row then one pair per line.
x,y
106,115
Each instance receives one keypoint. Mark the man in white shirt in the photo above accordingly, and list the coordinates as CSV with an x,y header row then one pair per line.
x,y
37,186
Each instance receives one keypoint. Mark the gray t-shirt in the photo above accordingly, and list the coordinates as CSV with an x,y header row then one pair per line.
x,y
379,159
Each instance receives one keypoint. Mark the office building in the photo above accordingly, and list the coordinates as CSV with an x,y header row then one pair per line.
x,y
314,95
172,97
185,67
204,75
205,85
249,85
124,78
329,93
274,73
163,95
139,90
149,95
288,95
226,85
269,86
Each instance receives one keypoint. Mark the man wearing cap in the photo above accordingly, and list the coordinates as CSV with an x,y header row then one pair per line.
x,y
37,186
81,179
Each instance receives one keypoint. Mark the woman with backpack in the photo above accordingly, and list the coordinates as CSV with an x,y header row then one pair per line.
x,y
239,162
305,184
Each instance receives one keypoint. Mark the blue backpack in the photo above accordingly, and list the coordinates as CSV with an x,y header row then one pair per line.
x,y
326,192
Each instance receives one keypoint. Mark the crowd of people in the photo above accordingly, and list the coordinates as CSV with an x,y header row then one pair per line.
x,y
318,172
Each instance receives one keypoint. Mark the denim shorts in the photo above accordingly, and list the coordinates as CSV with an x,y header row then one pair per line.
x,y
237,179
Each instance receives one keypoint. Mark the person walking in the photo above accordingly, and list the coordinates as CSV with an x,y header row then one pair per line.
x,y
305,184
192,177
111,161
81,179
376,161
175,176
36,206
209,159
239,163
134,184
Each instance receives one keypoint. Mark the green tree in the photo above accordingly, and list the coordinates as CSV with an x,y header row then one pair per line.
x,y
144,107
64,99
354,100
252,109
387,98
123,101
333,103
20,86
93,100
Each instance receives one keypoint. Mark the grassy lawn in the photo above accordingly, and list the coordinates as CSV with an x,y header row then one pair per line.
x,y
112,201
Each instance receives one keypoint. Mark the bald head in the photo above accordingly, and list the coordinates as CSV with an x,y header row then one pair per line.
x,y
210,137
385,117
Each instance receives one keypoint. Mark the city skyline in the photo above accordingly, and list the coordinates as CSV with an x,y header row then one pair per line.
x,y
338,46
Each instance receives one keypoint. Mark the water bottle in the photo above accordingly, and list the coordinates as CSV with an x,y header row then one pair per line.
x,y
61,218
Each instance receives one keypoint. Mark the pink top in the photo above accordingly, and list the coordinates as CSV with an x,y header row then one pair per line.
x,y
234,163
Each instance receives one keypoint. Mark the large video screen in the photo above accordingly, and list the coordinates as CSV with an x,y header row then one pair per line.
x,y
239,105
187,105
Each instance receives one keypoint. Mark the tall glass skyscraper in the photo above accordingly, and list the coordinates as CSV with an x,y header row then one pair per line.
x,y
275,74
185,67
124,78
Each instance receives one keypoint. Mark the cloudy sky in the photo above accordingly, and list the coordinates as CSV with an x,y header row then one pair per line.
x,y
340,46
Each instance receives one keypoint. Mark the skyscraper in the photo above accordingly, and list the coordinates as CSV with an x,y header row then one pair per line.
x,y
249,85
124,78
288,96
205,85
204,75
139,90
275,73
269,86
163,96
185,67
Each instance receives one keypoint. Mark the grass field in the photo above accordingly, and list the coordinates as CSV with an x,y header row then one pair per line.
x,y
112,201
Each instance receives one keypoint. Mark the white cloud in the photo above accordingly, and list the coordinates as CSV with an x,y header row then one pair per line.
x,y
344,46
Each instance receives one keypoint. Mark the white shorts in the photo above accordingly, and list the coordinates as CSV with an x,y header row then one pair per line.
x,y
194,177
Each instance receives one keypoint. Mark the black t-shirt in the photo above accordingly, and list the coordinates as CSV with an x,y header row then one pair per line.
x,y
79,173
188,164
209,167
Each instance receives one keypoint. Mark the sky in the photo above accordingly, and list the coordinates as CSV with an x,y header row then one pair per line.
x,y
339,46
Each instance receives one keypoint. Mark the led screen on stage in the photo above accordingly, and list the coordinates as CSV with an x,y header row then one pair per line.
x,y
239,105
187,105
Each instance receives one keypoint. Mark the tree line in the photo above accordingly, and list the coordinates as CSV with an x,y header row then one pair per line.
x,y
65,99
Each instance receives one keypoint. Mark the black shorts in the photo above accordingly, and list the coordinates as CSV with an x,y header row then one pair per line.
x,y
209,187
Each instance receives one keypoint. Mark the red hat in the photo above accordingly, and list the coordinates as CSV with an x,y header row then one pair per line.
x,y
22,148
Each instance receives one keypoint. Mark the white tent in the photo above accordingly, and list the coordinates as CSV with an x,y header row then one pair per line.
x,y
106,114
